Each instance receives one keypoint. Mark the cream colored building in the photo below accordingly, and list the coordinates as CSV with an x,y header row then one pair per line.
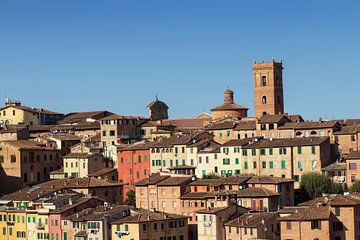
x,y
211,221
145,224
14,113
82,164
286,158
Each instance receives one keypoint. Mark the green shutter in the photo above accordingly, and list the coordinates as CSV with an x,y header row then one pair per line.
x,y
236,161
270,151
271,164
283,164
246,166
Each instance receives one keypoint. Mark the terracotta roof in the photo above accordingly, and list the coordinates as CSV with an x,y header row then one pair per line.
x,y
268,180
295,118
27,144
187,123
112,213
153,179
236,142
273,118
79,155
139,215
82,116
252,220
118,117
82,234
136,146
174,140
77,126
12,128
174,181
74,183
313,212
32,110
102,172
352,122
353,155
245,125
58,171
238,180
221,125
335,166
212,210
179,167
156,124
207,195
310,125
64,137
347,130
287,142
156,102
229,106
256,192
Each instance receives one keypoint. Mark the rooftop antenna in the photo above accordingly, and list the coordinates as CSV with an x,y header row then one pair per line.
x,y
156,96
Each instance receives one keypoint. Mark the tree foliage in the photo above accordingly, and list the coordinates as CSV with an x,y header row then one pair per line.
x,y
212,176
130,200
315,184
355,187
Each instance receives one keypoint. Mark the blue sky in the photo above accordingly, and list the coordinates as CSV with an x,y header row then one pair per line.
x,y
116,55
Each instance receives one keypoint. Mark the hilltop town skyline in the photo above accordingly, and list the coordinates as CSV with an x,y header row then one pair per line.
x,y
57,54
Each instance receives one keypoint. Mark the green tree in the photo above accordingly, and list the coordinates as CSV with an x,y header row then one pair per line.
x,y
315,184
130,200
355,187
212,176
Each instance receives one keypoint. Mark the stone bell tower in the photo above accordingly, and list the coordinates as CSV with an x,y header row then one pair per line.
x,y
268,88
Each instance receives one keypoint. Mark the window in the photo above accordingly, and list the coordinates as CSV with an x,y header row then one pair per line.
x,y
313,164
246,166
183,162
337,226
288,225
282,151
299,150
271,164
270,151
244,152
263,80
104,133
263,100
253,152
300,166
263,164
13,158
237,161
164,163
283,164
352,166
316,224
262,152
112,133
226,161
254,165
313,150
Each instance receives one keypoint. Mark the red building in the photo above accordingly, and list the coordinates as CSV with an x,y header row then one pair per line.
x,y
133,165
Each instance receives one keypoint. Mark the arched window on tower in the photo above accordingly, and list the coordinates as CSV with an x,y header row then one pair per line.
x,y
263,79
263,100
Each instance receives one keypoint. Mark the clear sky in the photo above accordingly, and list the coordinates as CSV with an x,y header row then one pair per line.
x,y
117,55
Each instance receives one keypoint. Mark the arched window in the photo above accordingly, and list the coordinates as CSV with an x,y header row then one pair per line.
x,y
263,100
264,113
263,80
313,133
298,133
